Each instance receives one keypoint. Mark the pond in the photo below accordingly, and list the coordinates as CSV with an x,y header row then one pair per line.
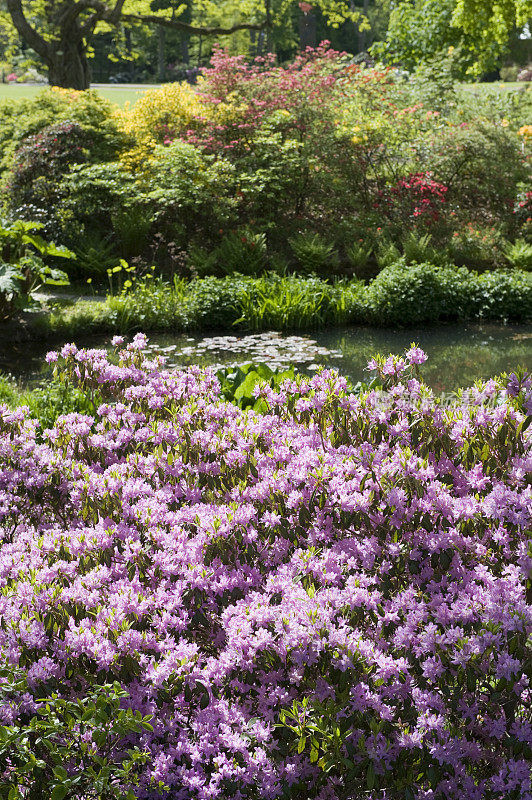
x,y
458,354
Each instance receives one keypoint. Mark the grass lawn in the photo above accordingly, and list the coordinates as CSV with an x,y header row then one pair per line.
x,y
118,94
496,86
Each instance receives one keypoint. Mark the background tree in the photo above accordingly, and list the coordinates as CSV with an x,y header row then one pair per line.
x,y
479,31
61,31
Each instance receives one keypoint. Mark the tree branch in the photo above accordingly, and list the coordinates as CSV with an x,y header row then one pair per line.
x,y
29,34
192,30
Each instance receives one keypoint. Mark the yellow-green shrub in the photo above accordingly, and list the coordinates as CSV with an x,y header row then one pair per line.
x,y
157,118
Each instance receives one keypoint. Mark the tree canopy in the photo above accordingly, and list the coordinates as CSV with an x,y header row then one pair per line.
x,y
60,31
479,30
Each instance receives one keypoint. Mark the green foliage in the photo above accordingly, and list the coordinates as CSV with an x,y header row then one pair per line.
x,y
419,248
424,293
94,198
48,400
23,268
519,254
242,251
191,188
491,22
66,748
478,247
293,303
151,305
400,295
481,165
413,294
217,302
479,30
95,254
27,117
358,256
313,253
238,383
504,295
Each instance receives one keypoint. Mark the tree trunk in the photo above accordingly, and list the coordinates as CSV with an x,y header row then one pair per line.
x,y
161,54
362,34
269,38
307,30
69,67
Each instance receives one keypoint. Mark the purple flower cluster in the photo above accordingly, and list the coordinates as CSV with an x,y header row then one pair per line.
x,y
328,600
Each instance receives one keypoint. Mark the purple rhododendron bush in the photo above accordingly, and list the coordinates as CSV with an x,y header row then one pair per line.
x,y
330,599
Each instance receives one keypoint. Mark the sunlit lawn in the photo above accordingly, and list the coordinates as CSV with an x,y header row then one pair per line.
x,y
117,94
121,94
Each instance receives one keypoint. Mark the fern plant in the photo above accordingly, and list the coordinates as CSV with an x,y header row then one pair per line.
x,y
313,253
519,254
242,251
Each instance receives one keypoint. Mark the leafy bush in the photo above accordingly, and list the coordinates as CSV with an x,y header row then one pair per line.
x,y
156,118
477,247
21,119
503,295
481,165
186,187
412,294
82,734
91,195
216,302
308,601
23,270
238,384
32,191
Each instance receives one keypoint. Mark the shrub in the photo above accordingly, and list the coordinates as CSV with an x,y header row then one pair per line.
x,y
92,194
480,163
185,187
412,294
216,302
27,117
415,200
77,733
505,295
39,165
477,247
23,267
157,118
328,600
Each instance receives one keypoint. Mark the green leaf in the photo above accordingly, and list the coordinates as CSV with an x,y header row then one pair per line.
x,y
61,773
301,744
59,793
370,776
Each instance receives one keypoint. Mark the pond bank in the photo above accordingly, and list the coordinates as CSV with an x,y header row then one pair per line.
x,y
400,296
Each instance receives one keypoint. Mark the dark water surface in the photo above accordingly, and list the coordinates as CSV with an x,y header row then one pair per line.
x,y
458,354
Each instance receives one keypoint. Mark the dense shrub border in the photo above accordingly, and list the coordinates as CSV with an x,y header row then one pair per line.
x,y
328,600
400,295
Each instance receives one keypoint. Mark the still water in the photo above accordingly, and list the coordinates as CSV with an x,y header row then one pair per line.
x,y
458,354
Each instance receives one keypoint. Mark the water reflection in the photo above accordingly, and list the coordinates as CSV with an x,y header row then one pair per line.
x,y
458,354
